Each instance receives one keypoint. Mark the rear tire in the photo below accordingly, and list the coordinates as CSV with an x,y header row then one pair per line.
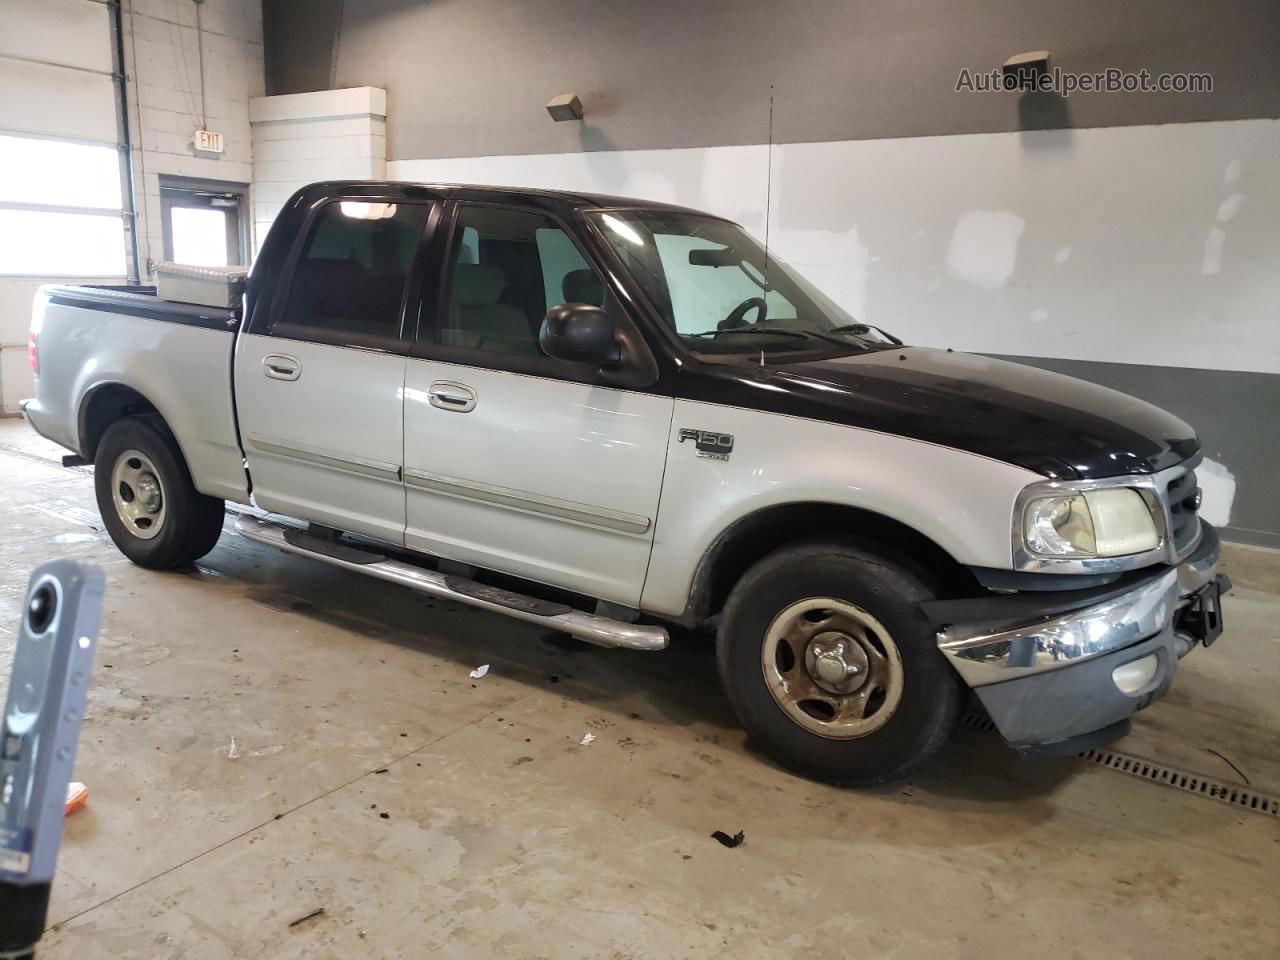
x,y
146,498
831,667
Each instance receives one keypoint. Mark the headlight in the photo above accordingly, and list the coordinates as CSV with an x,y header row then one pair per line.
x,y
1111,522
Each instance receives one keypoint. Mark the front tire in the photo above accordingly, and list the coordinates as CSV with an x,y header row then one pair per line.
x,y
146,498
831,667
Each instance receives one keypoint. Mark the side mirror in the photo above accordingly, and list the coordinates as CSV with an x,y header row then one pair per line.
x,y
580,333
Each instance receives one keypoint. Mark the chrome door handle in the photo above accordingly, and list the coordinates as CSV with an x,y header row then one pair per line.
x,y
452,396
277,366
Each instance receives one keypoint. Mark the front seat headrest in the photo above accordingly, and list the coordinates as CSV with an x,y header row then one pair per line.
x,y
477,285
582,286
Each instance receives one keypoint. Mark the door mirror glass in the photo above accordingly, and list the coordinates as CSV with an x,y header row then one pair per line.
x,y
580,333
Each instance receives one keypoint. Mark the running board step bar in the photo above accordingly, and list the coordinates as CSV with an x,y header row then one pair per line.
x,y
601,631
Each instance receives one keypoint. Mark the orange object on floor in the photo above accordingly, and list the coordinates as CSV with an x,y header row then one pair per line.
x,y
77,797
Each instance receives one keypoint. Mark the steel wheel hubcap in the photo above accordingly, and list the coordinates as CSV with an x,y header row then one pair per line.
x,y
138,494
832,668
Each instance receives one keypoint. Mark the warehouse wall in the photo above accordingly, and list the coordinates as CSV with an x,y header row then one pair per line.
x,y
55,82
473,74
162,58
300,138
1128,238
72,95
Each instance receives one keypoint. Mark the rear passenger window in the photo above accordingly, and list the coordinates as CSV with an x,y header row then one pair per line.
x,y
509,268
350,279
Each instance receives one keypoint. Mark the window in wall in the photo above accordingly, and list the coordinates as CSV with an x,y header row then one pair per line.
x,y
203,221
510,268
351,276
199,236
60,209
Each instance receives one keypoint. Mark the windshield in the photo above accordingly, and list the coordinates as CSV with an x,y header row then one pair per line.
x,y
714,287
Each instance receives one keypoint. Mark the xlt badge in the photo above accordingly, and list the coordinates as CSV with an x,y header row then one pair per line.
x,y
712,445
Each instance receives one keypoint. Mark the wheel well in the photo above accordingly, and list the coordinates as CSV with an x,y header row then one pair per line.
x,y
103,407
761,533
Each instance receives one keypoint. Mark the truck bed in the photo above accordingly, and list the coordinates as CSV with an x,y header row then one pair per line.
x,y
98,343
141,300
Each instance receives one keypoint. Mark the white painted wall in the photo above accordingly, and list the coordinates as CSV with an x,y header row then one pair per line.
x,y
1155,244
69,94
304,137
162,64
162,60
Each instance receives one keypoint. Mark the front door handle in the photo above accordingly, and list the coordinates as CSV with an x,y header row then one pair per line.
x,y
452,396
277,366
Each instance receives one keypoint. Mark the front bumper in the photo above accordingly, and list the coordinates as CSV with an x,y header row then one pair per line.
x,y
1059,671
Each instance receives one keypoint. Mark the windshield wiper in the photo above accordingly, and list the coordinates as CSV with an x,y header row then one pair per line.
x,y
775,331
862,328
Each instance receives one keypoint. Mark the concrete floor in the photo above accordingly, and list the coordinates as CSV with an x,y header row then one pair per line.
x,y
430,814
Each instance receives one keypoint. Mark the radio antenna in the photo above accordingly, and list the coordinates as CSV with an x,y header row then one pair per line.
x,y
768,190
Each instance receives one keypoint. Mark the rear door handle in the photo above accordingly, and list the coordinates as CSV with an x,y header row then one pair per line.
x,y
452,396
277,366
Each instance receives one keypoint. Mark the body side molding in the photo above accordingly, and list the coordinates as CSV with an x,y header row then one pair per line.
x,y
377,469
528,502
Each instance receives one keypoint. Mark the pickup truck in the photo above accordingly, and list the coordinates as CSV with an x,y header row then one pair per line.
x,y
613,417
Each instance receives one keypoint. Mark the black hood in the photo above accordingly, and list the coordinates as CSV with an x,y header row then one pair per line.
x,y
1056,425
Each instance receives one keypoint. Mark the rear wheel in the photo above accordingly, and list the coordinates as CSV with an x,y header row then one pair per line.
x,y
832,669
146,498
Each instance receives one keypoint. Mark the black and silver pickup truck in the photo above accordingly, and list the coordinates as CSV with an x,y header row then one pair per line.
x,y
635,416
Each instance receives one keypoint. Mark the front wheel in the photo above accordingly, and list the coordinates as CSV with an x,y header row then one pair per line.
x,y
148,503
832,669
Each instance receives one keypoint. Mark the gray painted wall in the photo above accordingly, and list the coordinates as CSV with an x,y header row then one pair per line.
x,y
301,35
470,77
1237,416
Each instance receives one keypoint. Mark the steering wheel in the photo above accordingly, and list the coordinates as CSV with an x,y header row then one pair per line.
x,y
737,314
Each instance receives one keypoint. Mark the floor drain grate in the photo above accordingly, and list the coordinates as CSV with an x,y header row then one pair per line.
x,y
979,721
1195,783
1243,797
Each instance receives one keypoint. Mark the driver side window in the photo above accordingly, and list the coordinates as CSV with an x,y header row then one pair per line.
x,y
703,296
509,268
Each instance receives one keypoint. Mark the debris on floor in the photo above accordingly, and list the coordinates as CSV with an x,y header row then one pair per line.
x,y
479,671
233,752
310,916
587,738
728,841
1227,760
77,797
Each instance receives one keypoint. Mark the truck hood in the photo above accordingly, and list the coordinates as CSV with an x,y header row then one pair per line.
x,y
1055,425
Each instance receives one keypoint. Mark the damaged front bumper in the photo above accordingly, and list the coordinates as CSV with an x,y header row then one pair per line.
x,y
1062,672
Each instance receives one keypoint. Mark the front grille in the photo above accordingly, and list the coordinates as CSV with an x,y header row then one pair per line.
x,y
1183,493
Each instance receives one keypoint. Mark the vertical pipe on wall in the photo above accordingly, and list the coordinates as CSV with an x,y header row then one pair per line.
x,y
124,141
333,56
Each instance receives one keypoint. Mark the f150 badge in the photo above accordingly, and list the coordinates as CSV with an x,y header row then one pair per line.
x,y
712,445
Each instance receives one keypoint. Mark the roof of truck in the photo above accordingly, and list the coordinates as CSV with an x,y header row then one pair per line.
x,y
519,195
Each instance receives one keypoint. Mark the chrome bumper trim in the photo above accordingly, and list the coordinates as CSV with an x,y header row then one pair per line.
x,y
1195,573
983,658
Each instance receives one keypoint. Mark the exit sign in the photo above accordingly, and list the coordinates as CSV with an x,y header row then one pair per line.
x,y
207,141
